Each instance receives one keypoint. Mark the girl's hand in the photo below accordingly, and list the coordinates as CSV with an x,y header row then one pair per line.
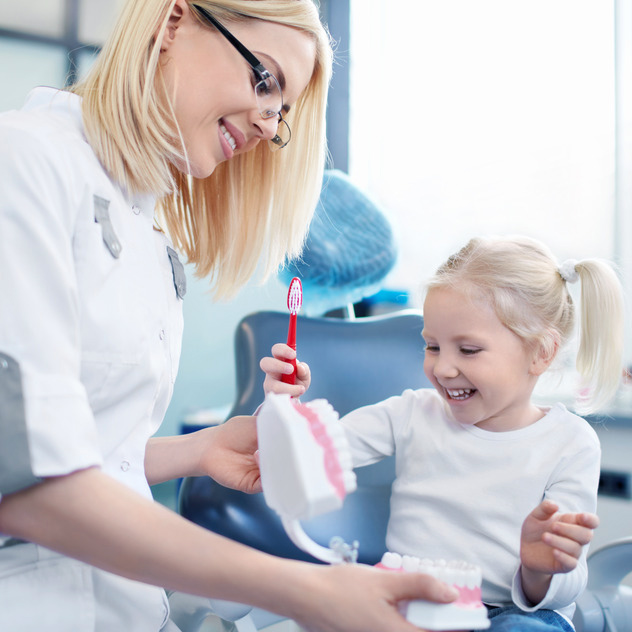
x,y
551,543
279,365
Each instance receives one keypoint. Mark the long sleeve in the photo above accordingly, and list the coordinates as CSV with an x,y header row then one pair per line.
x,y
372,430
573,486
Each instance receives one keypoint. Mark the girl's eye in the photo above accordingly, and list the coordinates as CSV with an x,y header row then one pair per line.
x,y
432,348
469,351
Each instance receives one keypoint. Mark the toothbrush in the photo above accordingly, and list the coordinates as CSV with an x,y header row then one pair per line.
x,y
294,302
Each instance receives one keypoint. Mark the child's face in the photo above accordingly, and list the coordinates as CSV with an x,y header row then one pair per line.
x,y
482,369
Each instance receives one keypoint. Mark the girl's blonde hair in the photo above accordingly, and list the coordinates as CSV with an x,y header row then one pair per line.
x,y
522,281
253,209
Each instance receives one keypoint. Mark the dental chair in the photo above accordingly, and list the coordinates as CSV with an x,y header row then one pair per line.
x,y
353,363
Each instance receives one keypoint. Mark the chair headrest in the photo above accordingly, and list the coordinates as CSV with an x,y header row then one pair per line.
x,y
349,248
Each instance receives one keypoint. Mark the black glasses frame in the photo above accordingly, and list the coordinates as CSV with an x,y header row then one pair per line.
x,y
254,63
258,68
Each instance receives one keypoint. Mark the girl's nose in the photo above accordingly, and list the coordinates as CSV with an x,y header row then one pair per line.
x,y
445,367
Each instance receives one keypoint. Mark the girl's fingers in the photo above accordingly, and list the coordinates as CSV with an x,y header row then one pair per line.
x,y
577,533
544,510
273,366
564,545
567,562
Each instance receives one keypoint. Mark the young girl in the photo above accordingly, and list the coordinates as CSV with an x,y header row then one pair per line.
x,y
485,474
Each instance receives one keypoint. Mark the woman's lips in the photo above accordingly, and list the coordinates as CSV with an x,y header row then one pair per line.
x,y
227,141
231,138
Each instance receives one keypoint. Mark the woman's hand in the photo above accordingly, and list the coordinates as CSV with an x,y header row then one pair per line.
x,y
551,543
278,365
229,454
357,598
226,452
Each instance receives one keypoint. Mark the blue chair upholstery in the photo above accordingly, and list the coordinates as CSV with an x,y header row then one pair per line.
x,y
353,363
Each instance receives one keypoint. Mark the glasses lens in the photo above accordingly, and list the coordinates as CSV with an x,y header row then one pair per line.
x,y
269,97
282,137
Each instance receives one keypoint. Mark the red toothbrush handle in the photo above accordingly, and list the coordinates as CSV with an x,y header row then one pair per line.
x,y
291,342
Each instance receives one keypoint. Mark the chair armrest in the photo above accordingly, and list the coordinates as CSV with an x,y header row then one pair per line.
x,y
606,605
609,564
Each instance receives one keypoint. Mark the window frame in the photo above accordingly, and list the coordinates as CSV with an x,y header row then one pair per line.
x,y
68,41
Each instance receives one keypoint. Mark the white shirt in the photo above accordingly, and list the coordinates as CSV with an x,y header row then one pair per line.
x,y
90,316
461,492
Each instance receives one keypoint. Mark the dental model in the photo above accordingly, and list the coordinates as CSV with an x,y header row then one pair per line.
x,y
305,468
466,613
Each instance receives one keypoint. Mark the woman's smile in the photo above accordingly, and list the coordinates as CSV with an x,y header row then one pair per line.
x,y
217,112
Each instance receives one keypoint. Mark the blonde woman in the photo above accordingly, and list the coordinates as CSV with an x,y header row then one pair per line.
x,y
484,472
199,130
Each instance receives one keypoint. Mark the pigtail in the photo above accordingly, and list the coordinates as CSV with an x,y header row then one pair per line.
x,y
600,353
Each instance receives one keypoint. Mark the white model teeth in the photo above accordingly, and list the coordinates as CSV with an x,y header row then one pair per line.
x,y
410,563
455,572
228,137
460,393
350,481
392,560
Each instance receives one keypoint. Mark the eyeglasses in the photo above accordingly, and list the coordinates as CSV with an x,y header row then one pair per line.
x,y
267,89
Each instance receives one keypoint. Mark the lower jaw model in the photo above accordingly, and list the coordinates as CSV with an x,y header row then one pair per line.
x,y
466,613
306,471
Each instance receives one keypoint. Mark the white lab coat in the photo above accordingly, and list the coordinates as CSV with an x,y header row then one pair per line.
x,y
90,335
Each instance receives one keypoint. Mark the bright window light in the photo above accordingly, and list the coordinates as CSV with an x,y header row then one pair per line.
x,y
486,117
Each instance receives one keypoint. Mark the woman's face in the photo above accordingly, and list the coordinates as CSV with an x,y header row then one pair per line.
x,y
211,85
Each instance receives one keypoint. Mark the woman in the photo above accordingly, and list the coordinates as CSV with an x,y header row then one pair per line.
x,y
170,134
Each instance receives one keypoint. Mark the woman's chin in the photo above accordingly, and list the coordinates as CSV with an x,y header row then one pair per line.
x,y
199,169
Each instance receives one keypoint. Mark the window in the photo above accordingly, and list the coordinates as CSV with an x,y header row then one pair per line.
x,y
487,117
49,42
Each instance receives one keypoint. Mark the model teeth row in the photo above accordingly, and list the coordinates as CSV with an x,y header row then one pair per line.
x,y
228,137
329,419
454,572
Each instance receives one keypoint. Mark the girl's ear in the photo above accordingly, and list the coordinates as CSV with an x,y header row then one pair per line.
x,y
545,353
180,9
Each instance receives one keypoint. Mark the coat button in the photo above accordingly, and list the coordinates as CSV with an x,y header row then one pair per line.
x,y
125,466
162,334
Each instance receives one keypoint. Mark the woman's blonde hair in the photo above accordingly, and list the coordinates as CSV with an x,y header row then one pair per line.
x,y
254,209
522,281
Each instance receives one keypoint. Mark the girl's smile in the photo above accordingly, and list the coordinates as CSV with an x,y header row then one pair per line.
x,y
483,370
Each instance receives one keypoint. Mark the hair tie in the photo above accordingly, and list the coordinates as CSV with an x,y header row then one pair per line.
x,y
568,272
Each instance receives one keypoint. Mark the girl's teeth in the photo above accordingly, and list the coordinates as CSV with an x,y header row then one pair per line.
x,y
228,137
461,393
